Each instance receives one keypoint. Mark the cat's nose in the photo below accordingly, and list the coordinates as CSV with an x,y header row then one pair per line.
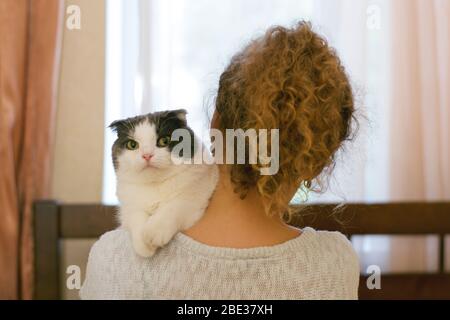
x,y
147,156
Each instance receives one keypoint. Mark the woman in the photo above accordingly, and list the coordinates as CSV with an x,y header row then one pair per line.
x,y
290,80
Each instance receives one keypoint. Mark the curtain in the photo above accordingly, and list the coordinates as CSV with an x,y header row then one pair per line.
x,y
29,54
420,148
397,53
420,115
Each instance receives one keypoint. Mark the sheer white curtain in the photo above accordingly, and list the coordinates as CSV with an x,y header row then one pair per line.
x,y
167,54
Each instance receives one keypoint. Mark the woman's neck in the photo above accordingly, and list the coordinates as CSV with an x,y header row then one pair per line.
x,y
232,222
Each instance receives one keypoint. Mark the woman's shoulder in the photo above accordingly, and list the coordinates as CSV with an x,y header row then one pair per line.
x,y
334,258
329,237
113,245
108,245
333,251
331,243
112,240
111,257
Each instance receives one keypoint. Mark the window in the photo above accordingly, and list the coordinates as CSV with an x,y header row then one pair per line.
x,y
169,54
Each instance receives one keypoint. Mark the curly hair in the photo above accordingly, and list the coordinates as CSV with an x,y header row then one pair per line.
x,y
289,79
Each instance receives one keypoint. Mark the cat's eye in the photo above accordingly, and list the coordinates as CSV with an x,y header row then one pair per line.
x,y
132,145
163,141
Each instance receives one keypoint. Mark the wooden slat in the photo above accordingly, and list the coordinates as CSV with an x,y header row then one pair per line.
x,y
46,249
389,219
86,221
441,253
80,221
408,287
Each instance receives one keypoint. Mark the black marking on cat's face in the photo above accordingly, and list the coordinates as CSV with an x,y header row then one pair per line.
x,y
165,123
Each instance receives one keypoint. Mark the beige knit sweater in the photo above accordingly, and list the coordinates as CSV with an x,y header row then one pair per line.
x,y
315,265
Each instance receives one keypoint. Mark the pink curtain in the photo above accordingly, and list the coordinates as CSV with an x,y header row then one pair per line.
x,y
420,154
420,116
29,53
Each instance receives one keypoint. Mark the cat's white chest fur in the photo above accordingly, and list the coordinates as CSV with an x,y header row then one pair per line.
x,y
144,197
154,213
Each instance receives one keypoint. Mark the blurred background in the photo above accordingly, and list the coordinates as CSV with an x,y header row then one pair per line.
x,y
69,68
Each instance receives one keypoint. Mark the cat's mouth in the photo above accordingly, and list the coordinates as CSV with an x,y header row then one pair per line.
x,y
148,166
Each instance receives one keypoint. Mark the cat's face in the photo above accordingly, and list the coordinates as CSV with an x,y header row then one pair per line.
x,y
144,142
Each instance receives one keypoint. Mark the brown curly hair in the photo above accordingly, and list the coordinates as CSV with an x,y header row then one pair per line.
x,y
289,79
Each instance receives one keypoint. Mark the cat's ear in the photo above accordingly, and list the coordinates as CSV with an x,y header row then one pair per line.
x,y
117,125
180,114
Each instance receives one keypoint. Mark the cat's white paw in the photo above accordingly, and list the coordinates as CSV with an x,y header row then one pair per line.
x,y
158,231
141,247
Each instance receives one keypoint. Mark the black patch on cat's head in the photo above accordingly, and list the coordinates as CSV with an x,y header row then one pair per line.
x,y
166,122
124,129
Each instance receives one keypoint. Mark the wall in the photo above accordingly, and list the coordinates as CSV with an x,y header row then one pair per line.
x,y
78,152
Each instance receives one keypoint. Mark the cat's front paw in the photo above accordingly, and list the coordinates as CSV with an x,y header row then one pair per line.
x,y
141,247
158,231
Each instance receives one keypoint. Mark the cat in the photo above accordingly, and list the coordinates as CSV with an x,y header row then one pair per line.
x,y
157,196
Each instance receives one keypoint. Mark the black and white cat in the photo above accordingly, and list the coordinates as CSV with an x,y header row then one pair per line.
x,y
158,197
